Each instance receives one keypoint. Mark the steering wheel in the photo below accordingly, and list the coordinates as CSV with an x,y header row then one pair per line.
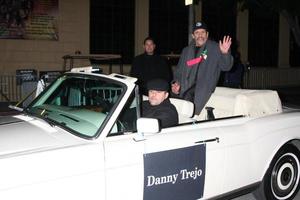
x,y
105,105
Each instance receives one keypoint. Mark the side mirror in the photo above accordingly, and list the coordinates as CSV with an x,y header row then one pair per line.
x,y
147,125
144,126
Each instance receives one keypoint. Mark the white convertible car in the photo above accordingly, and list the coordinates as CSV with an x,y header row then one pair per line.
x,y
83,138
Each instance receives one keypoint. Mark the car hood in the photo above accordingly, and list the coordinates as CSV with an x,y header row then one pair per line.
x,y
21,134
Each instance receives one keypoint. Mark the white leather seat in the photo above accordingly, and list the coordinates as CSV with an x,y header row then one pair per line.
x,y
232,102
185,110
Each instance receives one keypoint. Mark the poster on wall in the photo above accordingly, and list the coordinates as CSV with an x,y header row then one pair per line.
x,y
29,19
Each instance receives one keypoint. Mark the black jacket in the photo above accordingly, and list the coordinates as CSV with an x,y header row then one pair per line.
x,y
147,67
165,112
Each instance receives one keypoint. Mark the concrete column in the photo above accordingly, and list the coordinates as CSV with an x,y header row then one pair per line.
x,y
141,24
242,26
198,11
195,14
191,22
284,43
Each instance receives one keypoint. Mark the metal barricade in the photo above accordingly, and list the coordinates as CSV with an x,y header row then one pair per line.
x,y
10,91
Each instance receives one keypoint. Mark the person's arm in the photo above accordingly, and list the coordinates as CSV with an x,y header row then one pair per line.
x,y
178,73
225,62
178,68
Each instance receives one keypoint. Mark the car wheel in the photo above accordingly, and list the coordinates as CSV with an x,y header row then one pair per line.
x,y
281,182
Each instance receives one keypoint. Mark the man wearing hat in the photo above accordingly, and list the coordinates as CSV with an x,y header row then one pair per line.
x,y
200,65
158,105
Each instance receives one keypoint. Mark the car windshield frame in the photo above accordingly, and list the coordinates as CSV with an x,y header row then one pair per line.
x,y
84,115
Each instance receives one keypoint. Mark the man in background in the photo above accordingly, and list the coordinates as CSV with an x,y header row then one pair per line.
x,y
149,65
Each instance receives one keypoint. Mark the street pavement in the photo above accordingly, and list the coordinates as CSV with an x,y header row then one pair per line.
x,y
251,197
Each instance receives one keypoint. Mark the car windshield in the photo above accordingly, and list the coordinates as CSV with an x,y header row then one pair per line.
x,y
79,103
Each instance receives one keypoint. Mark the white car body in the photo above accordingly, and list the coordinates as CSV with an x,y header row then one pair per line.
x,y
43,160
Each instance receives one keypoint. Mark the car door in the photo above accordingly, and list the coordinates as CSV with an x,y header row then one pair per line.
x,y
183,163
124,156
123,167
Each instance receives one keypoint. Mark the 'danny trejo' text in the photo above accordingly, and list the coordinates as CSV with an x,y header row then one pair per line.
x,y
183,174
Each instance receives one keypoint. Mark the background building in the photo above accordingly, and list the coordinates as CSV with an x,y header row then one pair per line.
x,y
120,26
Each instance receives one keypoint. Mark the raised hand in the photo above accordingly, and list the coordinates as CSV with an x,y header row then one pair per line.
x,y
225,44
175,87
